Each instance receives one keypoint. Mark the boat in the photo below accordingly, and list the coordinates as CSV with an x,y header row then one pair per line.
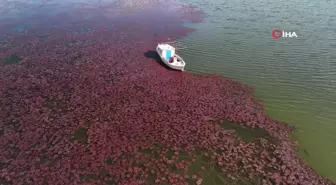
x,y
169,57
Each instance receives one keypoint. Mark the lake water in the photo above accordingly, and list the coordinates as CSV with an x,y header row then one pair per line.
x,y
296,77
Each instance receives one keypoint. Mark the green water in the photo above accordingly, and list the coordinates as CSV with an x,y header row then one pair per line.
x,y
245,133
296,77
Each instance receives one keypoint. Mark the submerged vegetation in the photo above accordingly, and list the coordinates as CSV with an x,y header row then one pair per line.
x,y
11,59
81,135
245,133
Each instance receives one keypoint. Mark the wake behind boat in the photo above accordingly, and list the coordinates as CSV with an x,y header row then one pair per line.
x,y
169,58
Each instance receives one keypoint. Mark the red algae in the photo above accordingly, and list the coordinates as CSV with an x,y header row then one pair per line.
x,y
89,103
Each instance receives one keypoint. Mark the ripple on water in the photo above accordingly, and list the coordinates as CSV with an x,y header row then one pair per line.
x,y
294,76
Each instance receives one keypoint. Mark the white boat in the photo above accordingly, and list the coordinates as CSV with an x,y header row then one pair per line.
x,y
168,56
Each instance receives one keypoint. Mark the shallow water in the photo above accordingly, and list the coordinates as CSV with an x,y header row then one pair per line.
x,y
245,133
296,77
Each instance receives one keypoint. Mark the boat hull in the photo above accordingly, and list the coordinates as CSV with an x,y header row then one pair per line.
x,y
166,62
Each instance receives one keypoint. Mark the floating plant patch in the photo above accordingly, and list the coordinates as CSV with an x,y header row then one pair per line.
x,y
11,59
132,141
197,167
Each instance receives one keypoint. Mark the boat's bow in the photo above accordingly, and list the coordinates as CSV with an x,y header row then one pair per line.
x,y
169,58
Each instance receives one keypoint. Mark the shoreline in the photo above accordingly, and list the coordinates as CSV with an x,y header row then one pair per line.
x,y
66,110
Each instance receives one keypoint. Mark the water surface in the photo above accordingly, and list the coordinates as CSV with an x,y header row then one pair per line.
x,y
296,77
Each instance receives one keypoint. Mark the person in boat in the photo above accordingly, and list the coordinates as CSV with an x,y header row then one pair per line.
x,y
173,59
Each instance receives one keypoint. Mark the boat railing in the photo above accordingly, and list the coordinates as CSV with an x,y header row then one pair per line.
x,y
180,48
167,42
176,45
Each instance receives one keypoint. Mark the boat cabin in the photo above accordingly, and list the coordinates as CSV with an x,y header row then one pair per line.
x,y
166,50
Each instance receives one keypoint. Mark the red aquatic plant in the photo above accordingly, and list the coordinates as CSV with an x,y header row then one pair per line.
x,y
95,107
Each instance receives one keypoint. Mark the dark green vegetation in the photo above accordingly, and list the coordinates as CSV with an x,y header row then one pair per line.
x,y
11,59
81,135
165,166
